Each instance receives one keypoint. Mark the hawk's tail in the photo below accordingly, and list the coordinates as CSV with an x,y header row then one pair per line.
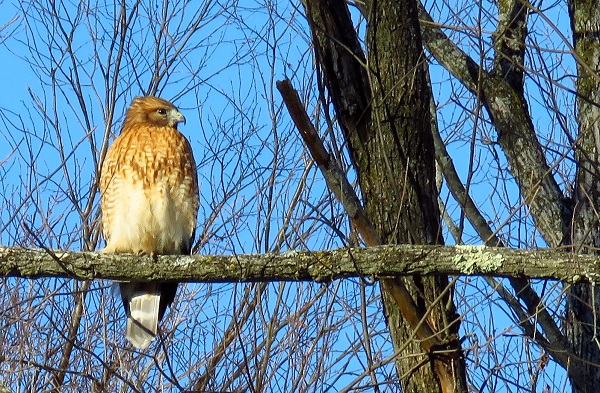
x,y
142,319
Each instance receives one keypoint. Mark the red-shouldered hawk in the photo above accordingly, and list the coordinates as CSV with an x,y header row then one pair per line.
x,y
149,200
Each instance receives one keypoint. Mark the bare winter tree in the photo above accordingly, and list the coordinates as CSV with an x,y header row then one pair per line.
x,y
502,97
84,63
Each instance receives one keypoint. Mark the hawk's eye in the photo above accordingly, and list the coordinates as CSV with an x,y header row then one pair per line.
x,y
162,112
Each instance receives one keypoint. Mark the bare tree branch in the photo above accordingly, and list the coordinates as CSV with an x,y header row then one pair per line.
x,y
380,261
508,110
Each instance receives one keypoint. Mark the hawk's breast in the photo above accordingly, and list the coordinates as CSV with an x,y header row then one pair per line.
x,y
149,192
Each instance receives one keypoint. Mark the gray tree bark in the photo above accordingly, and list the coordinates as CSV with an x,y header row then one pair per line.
x,y
583,300
501,93
321,266
383,110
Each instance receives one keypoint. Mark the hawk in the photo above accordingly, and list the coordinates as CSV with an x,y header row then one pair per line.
x,y
149,201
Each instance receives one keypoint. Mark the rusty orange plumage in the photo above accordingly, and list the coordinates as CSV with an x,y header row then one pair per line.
x,y
149,201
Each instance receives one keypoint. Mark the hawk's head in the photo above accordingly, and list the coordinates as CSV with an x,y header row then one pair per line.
x,y
153,111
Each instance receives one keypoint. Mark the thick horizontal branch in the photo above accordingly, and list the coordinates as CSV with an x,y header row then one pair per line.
x,y
375,262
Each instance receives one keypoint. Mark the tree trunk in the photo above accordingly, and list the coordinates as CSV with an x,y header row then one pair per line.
x,y
385,117
397,177
583,299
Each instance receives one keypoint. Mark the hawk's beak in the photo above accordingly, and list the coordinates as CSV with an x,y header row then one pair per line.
x,y
179,118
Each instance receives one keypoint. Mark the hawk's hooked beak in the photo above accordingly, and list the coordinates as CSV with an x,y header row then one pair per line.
x,y
180,118
177,117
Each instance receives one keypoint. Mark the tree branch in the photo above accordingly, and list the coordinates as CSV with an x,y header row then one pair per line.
x,y
320,266
509,113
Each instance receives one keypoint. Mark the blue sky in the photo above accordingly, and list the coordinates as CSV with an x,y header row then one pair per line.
x,y
242,138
